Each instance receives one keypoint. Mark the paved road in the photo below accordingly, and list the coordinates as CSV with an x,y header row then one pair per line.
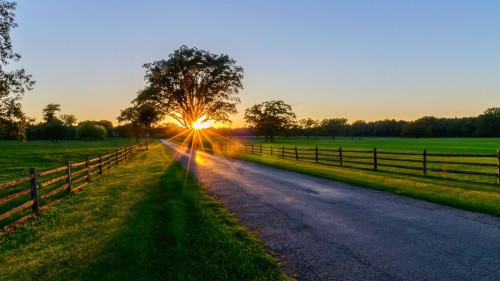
x,y
327,230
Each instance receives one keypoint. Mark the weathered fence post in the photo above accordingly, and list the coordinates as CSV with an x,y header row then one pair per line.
x,y
375,158
87,166
261,149
68,176
283,152
116,157
317,154
147,135
296,154
252,148
498,165
100,164
340,156
109,160
271,150
424,162
35,208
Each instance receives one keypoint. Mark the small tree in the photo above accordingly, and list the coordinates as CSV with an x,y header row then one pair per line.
x,y
49,112
140,116
334,126
270,117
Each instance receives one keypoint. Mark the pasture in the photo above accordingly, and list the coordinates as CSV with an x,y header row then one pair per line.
x,y
17,157
145,220
472,192
449,145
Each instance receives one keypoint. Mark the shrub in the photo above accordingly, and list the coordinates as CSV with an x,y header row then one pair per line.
x,y
90,131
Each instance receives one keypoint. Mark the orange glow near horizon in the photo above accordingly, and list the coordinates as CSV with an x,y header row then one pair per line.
x,y
201,124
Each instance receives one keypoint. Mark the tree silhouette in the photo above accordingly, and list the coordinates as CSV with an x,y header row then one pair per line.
x,y
49,112
193,85
334,126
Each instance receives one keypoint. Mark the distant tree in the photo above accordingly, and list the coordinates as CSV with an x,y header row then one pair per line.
x,y
193,84
307,126
488,123
270,117
420,128
361,128
130,116
334,126
88,130
13,83
108,125
69,121
388,128
54,130
49,112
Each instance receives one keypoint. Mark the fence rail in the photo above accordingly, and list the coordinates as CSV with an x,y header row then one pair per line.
x,y
48,188
483,165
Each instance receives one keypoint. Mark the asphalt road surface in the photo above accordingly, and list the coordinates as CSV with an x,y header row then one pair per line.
x,y
326,230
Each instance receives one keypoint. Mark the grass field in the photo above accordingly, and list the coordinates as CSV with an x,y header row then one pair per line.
x,y
17,157
144,220
468,192
449,145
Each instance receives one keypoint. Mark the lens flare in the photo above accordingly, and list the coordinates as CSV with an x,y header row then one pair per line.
x,y
202,124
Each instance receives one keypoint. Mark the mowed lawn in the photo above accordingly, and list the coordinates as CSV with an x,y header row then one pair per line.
x,y
145,220
17,157
476,193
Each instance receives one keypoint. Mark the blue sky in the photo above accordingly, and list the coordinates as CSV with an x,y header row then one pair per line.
x,y
365,60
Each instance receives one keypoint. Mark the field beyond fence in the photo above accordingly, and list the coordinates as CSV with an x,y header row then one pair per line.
x,y
475,167
41,190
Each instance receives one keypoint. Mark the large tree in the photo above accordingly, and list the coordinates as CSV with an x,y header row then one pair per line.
x,y
193,85
13,83
270,117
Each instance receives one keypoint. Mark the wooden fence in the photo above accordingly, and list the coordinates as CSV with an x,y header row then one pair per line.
x,y
485,165
48,188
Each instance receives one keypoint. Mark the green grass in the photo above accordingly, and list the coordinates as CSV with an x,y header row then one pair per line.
x,y
17,157
445,145
462,191
144,220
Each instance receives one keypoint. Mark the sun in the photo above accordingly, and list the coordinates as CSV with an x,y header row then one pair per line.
x,y
200,124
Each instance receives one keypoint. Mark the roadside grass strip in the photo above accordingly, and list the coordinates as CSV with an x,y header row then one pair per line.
x,y
471,196
144,221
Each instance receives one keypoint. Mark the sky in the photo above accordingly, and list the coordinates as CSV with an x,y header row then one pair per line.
x,y
360,60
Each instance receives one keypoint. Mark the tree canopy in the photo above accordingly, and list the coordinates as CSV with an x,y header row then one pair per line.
x,y
334,126
13,83
49,112
270,117
193,85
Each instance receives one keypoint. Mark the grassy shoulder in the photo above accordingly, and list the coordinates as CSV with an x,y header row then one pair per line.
x,y
466,195
143,221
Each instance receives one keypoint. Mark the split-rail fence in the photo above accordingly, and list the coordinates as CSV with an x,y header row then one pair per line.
x,y
41,190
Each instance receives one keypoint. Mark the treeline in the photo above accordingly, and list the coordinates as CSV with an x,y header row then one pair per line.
x,y
486,124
